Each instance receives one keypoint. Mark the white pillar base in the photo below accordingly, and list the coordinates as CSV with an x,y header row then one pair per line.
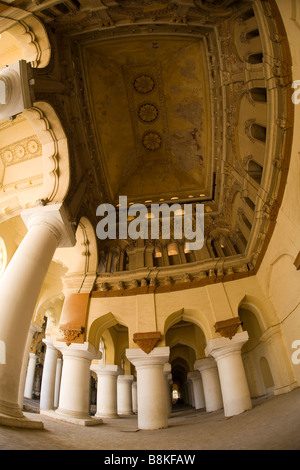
x,y
107,390
124,398
234,385
211,383
30,376
197,389
62,415
74,400
22,422
48,378
151,389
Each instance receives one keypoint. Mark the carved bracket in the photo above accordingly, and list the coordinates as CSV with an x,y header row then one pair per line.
x,y
147,341
71,335
228,328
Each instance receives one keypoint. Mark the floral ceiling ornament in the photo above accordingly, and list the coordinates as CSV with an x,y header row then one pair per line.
x,y
144,84
152,141
148,112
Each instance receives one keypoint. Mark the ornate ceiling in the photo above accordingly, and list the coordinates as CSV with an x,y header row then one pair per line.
x,y
151,109
185,100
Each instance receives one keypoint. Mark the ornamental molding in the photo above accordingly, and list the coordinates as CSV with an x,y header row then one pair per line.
x,y
20,151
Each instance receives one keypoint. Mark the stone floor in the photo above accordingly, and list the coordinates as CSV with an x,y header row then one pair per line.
x,y
272,424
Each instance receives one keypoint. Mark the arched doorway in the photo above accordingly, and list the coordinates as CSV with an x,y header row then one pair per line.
x,y
255,353
187,343
266,375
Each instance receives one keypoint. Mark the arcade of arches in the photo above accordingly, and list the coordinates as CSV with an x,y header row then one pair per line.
x,y
186,101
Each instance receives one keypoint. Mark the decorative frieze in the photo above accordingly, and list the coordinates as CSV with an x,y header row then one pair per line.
x,y
21,151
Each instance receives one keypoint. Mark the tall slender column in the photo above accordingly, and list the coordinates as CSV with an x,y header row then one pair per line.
x,y
57,382
74,399
196,385
134,397
124,394
186,398
234,386
190,389
107,390
30,375
20,286
168,376
48,378
282,374
211,383
25,365
152,409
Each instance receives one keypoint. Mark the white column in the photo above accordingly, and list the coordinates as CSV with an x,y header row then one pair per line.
x,y
152,409
20,286
124,394
30,375
234,386
134,397
74,399
211,383
196,384
190,389
48,378
107,390
57,382
278,359
186,397
168,377
25,364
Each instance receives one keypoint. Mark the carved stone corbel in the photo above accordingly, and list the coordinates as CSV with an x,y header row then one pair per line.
x,y
70,335
147,341
228,328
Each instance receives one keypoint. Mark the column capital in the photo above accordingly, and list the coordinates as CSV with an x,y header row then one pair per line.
x,y
193,375
158,356
167,369
205,363
221,347
32,355
81,350
125,378
53,216
34,329
107,370
49,343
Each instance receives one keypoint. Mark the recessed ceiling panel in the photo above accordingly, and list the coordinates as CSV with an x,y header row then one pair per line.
x,y
150,102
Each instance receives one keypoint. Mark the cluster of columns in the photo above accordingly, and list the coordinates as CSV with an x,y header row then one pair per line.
x,y
48,229
218,381
117,394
